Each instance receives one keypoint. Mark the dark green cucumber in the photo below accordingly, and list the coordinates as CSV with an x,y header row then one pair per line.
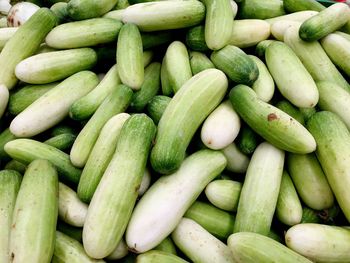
x,y
288,108
154,39
84,9
195,39
292,6
261,9
71,231
247,140
62,142
60,10
310,216
5,137
16,166
156,107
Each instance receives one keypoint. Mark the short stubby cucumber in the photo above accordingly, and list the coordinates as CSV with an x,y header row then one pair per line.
x,y
156,256
199,62
4,98
84,9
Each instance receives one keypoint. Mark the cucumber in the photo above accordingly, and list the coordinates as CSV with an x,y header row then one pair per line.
x,y
199,62
164,79
224,194
154,39
299,88
156,107
221,127
164,15
292,6
182,117
259,194
27,150
325,22
62,142
274,125
145,183
320,243
149,88
24,43
344,35
264,86
195,39
249,32
53,66
155,256
310,216
113,202
4,98
53,106
217,222
122,4
218,22
84,9
115,14
261,48
167,245
288,108
237,162
10,182
279,28
62,128
147,57
335,99
86,33
248,247
261,10
100,156
60,10
16,166
333,142
3,22
22,98
314,58
71,231
288,209
161,205
5,34
243,70
300,16
115,103
129,56
247,140
120,252
32,236
198,244
5,137
307,113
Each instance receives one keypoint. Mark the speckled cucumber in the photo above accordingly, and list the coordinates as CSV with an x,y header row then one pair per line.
x,y
84,9
156,256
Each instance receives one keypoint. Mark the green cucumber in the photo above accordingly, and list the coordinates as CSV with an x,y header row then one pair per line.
x,y
199,62
71,231
217,222
3,22
4,98
16,166
344,35
271,123
279,28
156,107
84,33
5,137
164,79
320,243
115,103
237,161
261,47
100,156
182,117
300,16
156,256
27,150
299,88
5,34
10,182
259,194
24,43
145,183
333,144
195,39
154,39
261,10
129,56
62,142
121,4
248,247
161,205
115,14
120,251
310,216
243,70
247,140
113,202
292,6
288,108
62,128
198,244
32,237
147,57
325,22
307,113
60,10
84,9
167,245
164,15
53,106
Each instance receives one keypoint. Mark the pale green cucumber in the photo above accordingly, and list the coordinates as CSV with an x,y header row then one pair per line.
x,y
115,14
120,251
84,33
167,245
247,140
113,104
161,205
5,137
147,57
71,231
60,10
84,9
4,98
156,256
145,183
314,58
288,209
44,49
113,202
299,88
264,86
154,39
259,194
87,105
279,28
333,144
224,194
221,127
300,16
344,35
237,161
22,98
129,56
27,150
157,106
32,237
292,6
248,247
218,22
149,88
16,166
70,209
24,43
163,15
182,117
53,106
217,222
261,9
3,22
320,243
53,66
325,22
335,99
199,62
260,48
62,142
70,250
274,125
5,34
249,32
164,79
242,70
195,39
100,156
10,182
288,108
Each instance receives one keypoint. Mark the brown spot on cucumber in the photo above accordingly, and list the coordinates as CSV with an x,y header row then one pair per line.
x,y
272,117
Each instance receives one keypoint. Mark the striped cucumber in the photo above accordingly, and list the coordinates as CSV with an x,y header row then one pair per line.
x,y
5,34
292,6
195,39
261,10
237,161
4,98
113,202
156,256
247,140
161,205
182,117
156,107
53,106
62,142
199,62
32,237
300,16
288,108
84,9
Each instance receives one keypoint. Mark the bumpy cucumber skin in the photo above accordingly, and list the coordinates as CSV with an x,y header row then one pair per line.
x,y
156,256
84,9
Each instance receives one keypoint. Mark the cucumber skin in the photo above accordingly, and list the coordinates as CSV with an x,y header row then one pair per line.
x,y
292,6
156,107
5,137
199,62
261,10
195,39
84,9
62,142
247,140
288,108
156,256
167,245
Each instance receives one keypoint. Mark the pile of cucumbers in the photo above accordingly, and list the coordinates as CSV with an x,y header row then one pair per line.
x,y
212,131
